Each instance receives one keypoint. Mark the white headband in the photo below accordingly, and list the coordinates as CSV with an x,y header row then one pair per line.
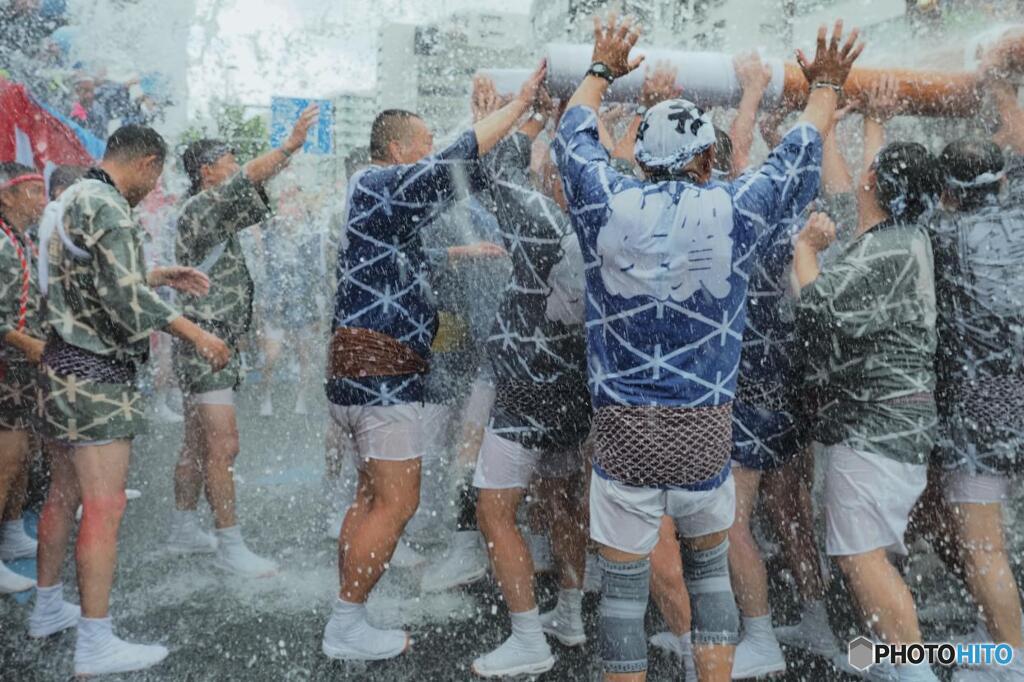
x,y
987,178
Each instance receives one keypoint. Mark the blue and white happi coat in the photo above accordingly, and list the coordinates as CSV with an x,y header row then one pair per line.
x,y
383,269
766,430
668,264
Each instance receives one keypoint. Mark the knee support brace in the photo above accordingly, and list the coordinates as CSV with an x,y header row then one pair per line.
x,y
712,605
624,591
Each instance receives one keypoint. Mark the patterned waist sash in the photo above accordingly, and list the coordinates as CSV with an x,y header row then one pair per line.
x,y
656,447
993,401
561,409
356,352
765,396
67,360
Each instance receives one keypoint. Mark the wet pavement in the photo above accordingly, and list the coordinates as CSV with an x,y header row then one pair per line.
x,y
223,628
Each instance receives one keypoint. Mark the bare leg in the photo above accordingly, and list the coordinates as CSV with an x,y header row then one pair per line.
x,y
219,433
788,505
102,471
271,353
979,529
389,493
510,556
749,577
14,447
931,518
58,516
189,474
667,585
884,599
568,528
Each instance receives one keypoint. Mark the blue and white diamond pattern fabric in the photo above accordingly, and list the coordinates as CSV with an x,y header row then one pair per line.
x,y
382,266
668,264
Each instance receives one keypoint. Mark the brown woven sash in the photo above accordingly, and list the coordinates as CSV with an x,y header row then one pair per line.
x,y
652,447
356,352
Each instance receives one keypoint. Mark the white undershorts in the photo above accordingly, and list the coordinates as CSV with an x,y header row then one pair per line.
x,y
394,433
962,487
274,334
222,396
627,519
504,464
868,499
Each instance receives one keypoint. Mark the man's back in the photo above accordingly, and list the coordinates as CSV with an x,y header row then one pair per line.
x,y
668,265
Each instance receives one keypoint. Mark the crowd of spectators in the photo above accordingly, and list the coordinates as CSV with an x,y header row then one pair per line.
x,y
40,47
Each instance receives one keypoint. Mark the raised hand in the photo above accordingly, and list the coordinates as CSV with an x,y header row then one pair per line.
x,y
882,101
529,92
818,233
485,99
660,84
752,73
613,39
831,63
184,279
307,119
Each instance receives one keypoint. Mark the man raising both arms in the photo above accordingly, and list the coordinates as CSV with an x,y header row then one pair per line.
x,y
667,263
384,323
225,199
101,309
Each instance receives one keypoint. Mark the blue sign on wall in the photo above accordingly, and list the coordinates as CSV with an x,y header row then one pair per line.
x,y
285,111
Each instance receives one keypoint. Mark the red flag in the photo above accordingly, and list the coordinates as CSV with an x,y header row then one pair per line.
x,y
30,135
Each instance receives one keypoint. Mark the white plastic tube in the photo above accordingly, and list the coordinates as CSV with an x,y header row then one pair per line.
x,y
707,78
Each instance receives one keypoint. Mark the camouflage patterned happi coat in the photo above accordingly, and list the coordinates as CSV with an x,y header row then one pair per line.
x,y
18,378
103,309
208,239
868,328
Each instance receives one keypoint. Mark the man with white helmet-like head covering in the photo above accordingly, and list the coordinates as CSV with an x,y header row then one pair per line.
x,y
667,263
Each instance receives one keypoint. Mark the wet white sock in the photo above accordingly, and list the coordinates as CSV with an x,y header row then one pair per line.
x,y
229,538
95,632
570,600
14,528
185,517
526,626
350,614
50,599
758,629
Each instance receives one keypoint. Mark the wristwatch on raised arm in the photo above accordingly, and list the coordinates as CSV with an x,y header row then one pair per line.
x,y
601,70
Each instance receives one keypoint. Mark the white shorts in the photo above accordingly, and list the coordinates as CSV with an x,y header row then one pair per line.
x,y
627,519
477,409
274,334
393,433
504,464
868,499
963,487
223,396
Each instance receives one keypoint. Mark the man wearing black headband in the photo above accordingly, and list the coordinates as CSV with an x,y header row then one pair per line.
x,y
225,198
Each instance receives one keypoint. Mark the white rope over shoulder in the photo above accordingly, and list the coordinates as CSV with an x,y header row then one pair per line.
x,y
53,222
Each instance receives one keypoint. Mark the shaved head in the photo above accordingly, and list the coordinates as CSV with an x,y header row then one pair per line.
x,y
399,136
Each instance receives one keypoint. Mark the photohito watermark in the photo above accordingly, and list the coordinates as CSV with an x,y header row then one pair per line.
x,y
864,653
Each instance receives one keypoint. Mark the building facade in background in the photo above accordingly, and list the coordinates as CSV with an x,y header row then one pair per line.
x,y
429,68
354,113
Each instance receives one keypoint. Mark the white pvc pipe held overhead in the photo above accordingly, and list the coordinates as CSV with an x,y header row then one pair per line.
x,y
708,78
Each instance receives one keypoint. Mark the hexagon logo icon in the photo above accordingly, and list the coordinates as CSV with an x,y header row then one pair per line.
x,y
862,653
